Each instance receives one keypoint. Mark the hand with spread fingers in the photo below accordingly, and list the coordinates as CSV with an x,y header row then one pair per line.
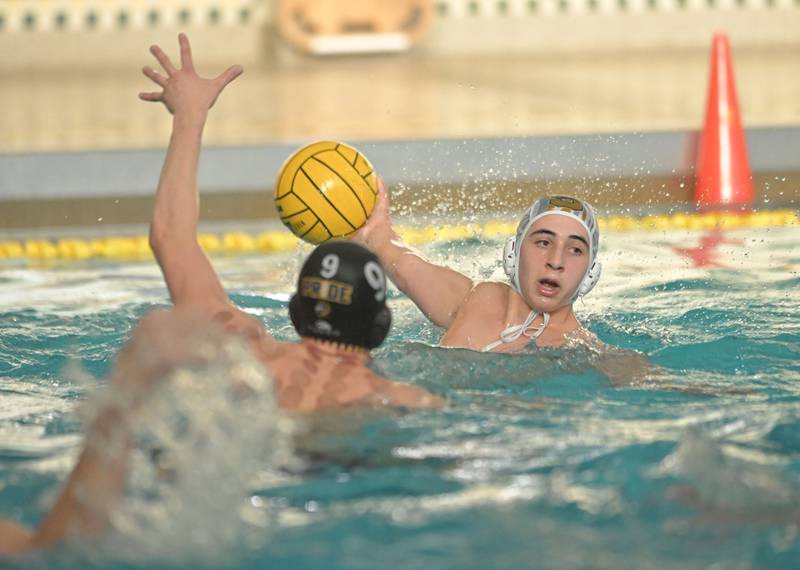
x,y
183,91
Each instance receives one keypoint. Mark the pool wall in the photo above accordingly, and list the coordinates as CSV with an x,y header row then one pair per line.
x,y
649,170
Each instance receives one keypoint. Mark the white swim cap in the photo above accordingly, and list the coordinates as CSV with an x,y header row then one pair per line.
x,y
561,206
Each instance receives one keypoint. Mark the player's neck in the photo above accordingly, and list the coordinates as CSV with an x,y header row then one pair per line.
x,y
563,319
328,349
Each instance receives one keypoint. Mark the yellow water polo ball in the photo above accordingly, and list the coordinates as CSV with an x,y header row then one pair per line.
x,y
325,190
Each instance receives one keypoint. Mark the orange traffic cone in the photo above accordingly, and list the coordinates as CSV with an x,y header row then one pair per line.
x,y
722,172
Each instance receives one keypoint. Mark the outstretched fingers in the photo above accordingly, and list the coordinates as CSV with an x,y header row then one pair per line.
x,y
155,76
163,59
228,75
184,83
186,53
153,96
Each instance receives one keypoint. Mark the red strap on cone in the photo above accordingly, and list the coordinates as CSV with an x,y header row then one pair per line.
x,y
722,172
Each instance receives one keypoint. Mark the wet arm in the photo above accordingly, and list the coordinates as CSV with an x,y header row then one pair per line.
x,y
437,290
97,481
407,396
625,368
628,368
173,230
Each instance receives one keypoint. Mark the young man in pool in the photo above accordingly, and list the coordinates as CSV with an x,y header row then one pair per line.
x,y
339,310
551,262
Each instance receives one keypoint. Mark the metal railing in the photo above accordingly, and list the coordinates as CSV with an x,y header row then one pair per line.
x,y
49,16
59,16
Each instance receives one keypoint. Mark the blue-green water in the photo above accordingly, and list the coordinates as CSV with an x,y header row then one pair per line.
x,y
539,461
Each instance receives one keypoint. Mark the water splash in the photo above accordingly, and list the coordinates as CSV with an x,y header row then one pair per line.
x,y
209,433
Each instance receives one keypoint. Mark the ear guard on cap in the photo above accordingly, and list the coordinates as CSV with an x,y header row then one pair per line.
x,y
510,257
380,328
591,279
371,337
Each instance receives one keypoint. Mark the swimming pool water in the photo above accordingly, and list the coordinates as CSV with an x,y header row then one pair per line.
x,y
539,461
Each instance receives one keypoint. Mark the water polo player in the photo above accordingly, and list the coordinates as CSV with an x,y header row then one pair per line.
x,y
339,309
340,312
551,261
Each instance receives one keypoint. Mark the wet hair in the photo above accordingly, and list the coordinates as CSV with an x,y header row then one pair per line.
x,y
341,296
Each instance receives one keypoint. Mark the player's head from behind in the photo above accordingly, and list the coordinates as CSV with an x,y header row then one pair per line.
x,y
341,297
552,259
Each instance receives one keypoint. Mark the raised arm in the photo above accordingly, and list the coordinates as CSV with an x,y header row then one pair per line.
x,y
437,290
173,230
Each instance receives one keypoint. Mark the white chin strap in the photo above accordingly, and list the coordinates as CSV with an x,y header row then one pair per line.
x,y
513,332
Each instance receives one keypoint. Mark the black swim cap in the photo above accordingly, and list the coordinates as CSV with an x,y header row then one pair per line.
x,y
341,296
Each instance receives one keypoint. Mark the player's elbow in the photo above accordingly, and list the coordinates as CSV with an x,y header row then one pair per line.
x,y
157,237
162,235
440,317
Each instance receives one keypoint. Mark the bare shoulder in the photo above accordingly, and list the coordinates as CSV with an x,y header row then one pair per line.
x,y
480,317
486,294
235,321
491,289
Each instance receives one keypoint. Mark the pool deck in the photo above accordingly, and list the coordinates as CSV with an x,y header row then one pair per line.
x,y
408,96
92,122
